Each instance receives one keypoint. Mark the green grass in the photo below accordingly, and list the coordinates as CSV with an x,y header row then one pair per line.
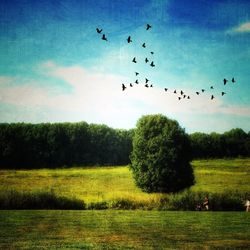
x,y
136,229
111,184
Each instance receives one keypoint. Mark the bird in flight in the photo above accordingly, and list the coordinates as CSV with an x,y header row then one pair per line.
x,y
104,37
212,97
233,80
146,85
148,27
144,45
129,39
151,52
136,81
123,87
184,96
152,64
225,81
131,85
151,86
203,90
175,91
223,93
211,87
136,73
188,97
182,92
179,98
197,93
99,30
146,80
134,60
146,60
166,89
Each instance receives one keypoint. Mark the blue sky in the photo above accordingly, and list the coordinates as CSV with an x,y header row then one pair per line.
x,y
55,67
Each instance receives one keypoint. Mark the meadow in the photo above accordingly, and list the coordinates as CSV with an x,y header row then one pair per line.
x,y
112,184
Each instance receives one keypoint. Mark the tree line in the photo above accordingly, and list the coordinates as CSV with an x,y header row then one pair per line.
x,y
62,144
50,145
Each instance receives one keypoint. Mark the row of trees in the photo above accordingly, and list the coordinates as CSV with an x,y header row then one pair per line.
x,y
67,144
233,143
62,144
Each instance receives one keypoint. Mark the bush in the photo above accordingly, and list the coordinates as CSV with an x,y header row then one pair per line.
x,y
161,155
12,199
98,205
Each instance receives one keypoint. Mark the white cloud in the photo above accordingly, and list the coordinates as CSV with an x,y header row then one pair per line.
x,y
98,98
242,28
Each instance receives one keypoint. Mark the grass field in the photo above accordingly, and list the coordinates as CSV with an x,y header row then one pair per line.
x,y
136,229
97,184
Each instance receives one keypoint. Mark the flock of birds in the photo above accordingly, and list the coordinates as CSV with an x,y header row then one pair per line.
x,y
180,93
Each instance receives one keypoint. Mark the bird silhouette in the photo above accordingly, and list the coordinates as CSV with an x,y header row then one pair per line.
x,y
131,85
146,60
152,64
212,97
203,90
233,80
151,52
136,81
136,73
225,81
99,30
197,93
175,91
179,98
104,37
184,96
129,39
151,86
166,89
223,93
182,92
146,85
144,45
148,27
134,60
123,87
188,97
146,80
211,87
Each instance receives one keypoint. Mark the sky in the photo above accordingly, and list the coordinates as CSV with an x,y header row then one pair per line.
x,y
54,66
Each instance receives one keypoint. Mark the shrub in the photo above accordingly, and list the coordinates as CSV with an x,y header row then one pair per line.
x,y
98,205
161,155
12,199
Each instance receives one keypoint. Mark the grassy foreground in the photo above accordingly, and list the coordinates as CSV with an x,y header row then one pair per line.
x,y
111,229
99,184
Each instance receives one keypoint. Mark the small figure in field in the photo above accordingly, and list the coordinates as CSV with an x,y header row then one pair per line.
x,y
198,207
206,203
247,205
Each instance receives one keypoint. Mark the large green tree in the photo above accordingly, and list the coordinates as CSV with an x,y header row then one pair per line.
x,y
161,155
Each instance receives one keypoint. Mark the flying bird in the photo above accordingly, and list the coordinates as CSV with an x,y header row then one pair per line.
x,y
211,87
131,85
175,91
146,60
188,97
148,27
203,90
129,39
152,64
151,86
104,37
225,81
197,93
223,93
99,30
123,87
151,52
134,60
144,45
146,80
166,89
146,85
233,80
184,96
212,97
182,92
136,81
179,98
136,73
